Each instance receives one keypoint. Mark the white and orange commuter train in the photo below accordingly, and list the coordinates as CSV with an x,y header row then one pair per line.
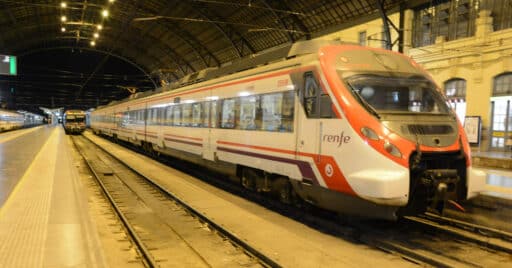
x,y
351,129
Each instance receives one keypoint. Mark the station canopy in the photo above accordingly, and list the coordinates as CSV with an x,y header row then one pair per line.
x,y
80,54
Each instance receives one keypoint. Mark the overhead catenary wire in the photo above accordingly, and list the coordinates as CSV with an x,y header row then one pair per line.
x,y
252,27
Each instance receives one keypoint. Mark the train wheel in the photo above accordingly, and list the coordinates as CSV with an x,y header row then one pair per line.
x,y
284,190
148,148
248,179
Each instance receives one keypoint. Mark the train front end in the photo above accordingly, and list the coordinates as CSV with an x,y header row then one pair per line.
x,y
74,122
415,153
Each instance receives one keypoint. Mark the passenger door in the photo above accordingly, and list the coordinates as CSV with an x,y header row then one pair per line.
x,y
309,128
317,110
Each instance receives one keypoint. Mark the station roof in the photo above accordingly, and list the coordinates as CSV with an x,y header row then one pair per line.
x,y
144,42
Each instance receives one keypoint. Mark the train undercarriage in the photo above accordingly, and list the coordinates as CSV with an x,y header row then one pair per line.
x,y
436,180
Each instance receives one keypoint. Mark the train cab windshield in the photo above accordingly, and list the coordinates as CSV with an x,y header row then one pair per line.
x,y
383,95
75,118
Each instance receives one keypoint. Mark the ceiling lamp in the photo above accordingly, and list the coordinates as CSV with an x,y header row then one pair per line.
x,y
93,43
62,29
99,27
104,13
96,35
63,18
63,5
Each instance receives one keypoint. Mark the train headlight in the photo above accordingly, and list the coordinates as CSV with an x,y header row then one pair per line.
x,y
369,133
392,149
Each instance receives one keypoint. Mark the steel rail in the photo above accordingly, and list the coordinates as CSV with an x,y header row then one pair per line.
x,y
465,231
484,230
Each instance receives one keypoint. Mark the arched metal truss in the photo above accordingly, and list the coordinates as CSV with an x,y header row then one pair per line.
x,y
178,37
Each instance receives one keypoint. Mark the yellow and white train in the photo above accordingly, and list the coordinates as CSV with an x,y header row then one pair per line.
x,y
73,121
351,129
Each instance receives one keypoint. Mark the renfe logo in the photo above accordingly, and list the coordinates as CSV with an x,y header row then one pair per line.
x,y
338,139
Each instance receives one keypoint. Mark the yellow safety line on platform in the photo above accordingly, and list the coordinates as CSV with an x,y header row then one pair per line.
x,y
23,238
22,179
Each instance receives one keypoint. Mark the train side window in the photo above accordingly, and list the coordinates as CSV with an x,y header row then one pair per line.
x,y
186,115
120,119
310,95
151,117
156,113
141,117
228,115
249,111
176,115
317,103
205,115
271,110
196,114
156,116
131,117
168,116
161,115
124,118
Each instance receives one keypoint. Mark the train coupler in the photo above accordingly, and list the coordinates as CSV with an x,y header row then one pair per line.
x,y
443,184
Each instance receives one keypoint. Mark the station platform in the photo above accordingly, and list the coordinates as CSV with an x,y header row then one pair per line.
x,y
498,166
45,220
502,160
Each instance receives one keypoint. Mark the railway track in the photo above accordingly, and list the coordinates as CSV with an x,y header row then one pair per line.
x,y
494,238
426,240
443,242
493,212
165,230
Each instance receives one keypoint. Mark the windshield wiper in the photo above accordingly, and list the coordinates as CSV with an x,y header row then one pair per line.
x,y
366,105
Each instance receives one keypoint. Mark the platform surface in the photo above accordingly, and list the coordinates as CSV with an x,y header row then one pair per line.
x,y
43,217
501,160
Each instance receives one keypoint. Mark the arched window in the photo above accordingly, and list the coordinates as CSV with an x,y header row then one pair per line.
x,y
502,85
501,107
455,90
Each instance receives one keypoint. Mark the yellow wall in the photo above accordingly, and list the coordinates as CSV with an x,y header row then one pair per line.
x,y
373,32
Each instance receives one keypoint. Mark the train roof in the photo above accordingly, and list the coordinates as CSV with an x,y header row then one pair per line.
x,y
278,54
269,56
9,112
